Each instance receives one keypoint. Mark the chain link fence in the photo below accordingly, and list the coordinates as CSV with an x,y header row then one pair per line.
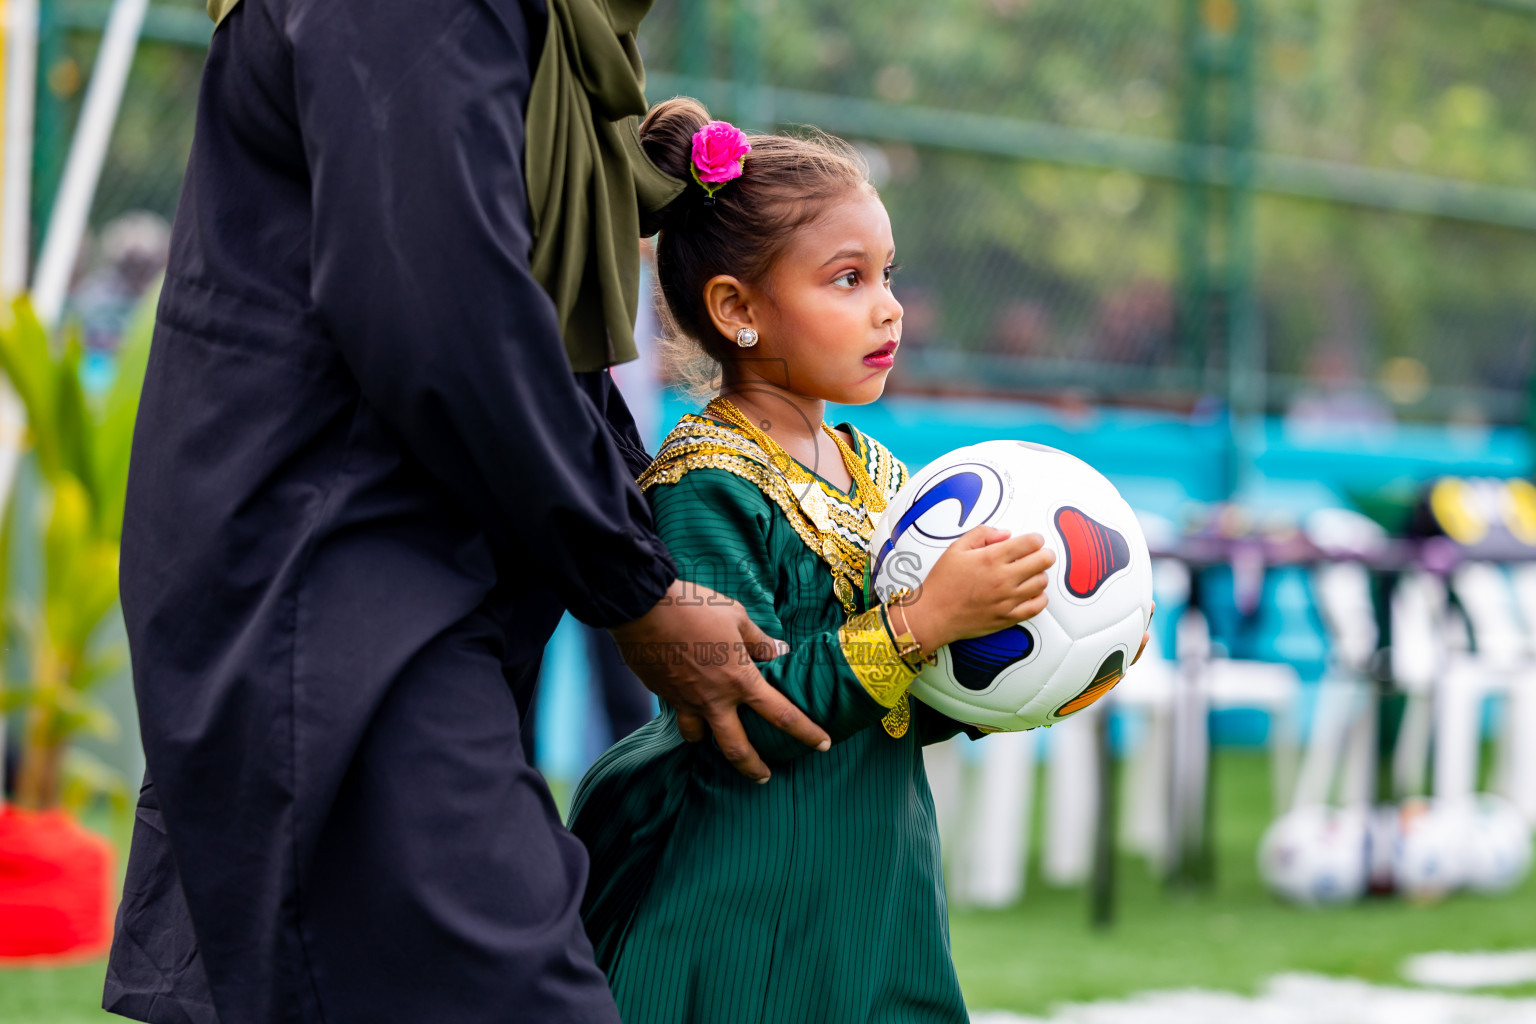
x,y
1097,200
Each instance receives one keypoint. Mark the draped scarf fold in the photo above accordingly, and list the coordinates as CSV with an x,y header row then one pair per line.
x,y
587,177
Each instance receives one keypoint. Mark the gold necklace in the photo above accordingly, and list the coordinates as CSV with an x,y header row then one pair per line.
x,y
874,504
842,533
723,408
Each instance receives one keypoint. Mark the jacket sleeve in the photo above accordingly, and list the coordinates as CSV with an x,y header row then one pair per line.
x,y
844,679
412,121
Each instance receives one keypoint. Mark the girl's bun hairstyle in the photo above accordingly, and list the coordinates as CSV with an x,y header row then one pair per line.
x,y
785,184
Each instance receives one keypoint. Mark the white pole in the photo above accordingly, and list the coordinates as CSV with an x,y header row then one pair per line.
x,y
88,150
16,181
1071,799
997,852
15,222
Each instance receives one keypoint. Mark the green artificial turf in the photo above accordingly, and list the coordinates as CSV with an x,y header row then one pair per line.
x,y
1043,952
67,994
61,995
1232,937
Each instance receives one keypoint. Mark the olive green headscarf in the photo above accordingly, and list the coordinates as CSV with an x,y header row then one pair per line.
x,y
587,176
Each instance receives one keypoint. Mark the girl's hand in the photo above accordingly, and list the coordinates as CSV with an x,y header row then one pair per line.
x,y
986,581
1145,636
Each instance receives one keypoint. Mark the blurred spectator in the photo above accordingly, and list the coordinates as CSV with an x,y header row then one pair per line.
x,y
919,314
1021,328
134,251
919,329
1135,324
624,702
1336,402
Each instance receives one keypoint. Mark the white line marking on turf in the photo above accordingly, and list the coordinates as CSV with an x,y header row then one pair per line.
x,y
1289,999
1472,970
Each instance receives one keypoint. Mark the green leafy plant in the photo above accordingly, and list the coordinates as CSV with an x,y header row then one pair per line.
x,y
80,446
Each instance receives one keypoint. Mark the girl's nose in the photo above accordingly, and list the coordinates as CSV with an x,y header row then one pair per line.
x,y
890,310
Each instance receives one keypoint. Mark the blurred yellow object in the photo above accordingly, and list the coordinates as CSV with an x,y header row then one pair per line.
x,y
1520,511
1455,508
1404,380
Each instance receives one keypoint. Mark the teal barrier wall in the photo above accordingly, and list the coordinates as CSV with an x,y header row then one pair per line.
x,y
1163,463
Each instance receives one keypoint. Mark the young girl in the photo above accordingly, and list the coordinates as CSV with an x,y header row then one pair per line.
x,y
818,896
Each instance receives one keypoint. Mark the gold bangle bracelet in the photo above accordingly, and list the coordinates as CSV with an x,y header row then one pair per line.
x,y
907,646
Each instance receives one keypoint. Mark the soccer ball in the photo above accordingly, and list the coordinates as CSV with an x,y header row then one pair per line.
x,y
1430,855
1100,590
1315,855
1498,845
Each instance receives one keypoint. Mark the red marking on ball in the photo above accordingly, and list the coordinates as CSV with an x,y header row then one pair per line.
x,y
1095,552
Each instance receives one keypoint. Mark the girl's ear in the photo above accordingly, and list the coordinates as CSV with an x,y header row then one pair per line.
x,y
729,304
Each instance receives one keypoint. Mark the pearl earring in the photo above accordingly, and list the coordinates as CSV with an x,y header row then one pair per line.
x,y
746,337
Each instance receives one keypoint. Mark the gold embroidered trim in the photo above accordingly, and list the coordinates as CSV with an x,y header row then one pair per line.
x,y
775,488
899,719
836,529
868,650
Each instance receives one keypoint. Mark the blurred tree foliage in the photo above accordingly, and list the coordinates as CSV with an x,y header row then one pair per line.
x,y
1049,265
79,445
1046,274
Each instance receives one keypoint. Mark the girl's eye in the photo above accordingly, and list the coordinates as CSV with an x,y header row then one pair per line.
x,y
852,278
890,271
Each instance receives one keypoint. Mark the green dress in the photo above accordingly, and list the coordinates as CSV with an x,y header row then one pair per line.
x,y
817,897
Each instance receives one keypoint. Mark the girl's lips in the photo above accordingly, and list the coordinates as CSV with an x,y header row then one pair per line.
x,y
882,358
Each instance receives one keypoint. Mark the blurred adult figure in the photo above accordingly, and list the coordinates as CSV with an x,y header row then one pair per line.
x,y
1021,328
621,698
1135,324
133,253
1335,403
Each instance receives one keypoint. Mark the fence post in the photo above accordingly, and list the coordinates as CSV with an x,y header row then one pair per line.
x,y
1218,308
754,108
51,134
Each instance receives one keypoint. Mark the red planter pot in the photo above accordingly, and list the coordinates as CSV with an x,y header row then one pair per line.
x,y
55,885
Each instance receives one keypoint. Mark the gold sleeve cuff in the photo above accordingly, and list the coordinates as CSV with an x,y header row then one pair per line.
x,y
869,652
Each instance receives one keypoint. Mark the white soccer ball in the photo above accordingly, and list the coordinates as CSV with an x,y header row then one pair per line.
x,y
1498,845
1315,855
1100,590
1430,856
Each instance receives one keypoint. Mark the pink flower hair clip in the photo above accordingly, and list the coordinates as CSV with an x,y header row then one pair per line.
x,y
719,155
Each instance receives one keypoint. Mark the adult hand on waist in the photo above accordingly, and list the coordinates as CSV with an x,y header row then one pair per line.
x,y
695,650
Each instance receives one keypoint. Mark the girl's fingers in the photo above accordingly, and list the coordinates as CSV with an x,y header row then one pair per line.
x,y
1030,587
1015,548
1036,562
979,537
1028,609
1142,649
